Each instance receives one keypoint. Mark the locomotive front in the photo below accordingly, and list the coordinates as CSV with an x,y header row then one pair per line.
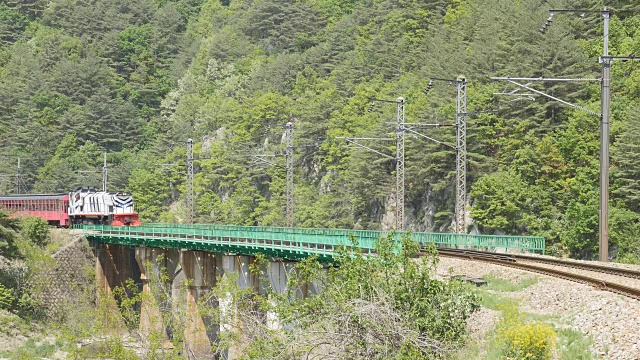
x,y
89,206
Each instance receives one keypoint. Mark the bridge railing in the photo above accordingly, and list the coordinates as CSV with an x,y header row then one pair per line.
x,y
307,239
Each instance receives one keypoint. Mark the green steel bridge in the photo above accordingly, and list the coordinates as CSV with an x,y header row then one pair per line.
x,y
284,242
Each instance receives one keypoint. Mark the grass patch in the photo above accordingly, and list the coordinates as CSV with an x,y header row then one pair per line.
x,y
490,296
480,349
31,349
12,324
492,301
570,344
495,283
574,345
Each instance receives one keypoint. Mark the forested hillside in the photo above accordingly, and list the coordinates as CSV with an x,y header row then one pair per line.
x,y
140,77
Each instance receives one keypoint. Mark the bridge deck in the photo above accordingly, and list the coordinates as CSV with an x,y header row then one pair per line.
x,y
288,243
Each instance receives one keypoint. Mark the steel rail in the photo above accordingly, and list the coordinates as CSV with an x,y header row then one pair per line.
x,y
583,266
635,274
499,259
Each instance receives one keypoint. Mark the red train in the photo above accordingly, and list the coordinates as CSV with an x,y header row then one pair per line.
x,y
53,208
82,206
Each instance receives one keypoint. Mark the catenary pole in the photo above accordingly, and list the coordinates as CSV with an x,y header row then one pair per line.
x,y
289,171
461,155
604,144
190,204
104,173
400,221
605,102
18,177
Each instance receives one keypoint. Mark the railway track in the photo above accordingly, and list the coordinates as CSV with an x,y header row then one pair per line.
x,y
523,262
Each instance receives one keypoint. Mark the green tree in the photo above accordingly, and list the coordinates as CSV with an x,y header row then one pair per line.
x,y
8,233
503,201
35,229
150,189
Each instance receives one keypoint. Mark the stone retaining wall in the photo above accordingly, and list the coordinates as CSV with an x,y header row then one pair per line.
x,y
70,277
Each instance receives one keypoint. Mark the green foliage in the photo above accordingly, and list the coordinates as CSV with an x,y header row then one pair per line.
x,y
150,191
386,306
138,78
7,299
129,298
12,23
495,283
8,228
504,201
32,349
35,230
23,279
573,344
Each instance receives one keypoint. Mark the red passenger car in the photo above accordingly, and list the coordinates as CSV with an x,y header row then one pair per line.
x,y
52,208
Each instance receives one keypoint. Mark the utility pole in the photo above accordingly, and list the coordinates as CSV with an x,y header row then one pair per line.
x,y
605,102
604,144
289,171
18,177
104,173
461,155
190,205
400,164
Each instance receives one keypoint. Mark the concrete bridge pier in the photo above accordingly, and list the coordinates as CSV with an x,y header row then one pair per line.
x,y
277,275
315,287
157,265
200,269
114,265
229,323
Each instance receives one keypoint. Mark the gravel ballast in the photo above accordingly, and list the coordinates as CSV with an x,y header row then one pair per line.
x,y
610,320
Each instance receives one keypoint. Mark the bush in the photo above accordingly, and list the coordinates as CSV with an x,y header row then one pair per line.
x,y
35,229
521,340
383,307
6,298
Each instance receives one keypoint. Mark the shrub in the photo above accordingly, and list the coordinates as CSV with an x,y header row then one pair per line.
x,y
35,229
522,340
383,307
7,299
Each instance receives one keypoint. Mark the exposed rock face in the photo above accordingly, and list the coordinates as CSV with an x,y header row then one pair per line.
x,y
422,216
